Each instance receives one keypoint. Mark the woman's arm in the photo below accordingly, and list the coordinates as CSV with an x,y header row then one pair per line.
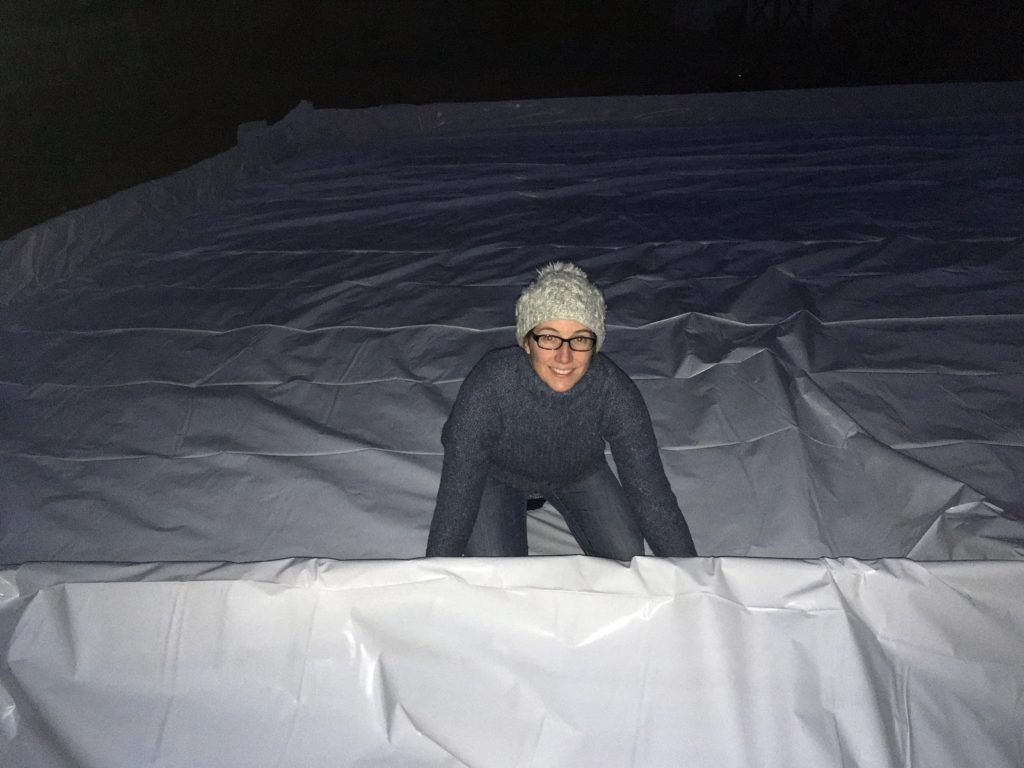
x,y
635,450
472,427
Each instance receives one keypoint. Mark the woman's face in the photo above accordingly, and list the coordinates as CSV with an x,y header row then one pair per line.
x,y
559,368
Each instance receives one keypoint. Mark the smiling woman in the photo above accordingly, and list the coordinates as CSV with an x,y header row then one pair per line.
x,y
560,351
537,425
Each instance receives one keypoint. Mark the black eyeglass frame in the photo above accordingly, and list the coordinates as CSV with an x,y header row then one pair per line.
x,y
561,341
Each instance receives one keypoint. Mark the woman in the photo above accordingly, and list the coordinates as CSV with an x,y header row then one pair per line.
x,y
536,424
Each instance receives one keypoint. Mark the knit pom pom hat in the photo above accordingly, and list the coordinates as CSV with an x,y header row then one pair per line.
x,y
560,292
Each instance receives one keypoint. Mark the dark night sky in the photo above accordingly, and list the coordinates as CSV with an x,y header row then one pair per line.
x,y
102,94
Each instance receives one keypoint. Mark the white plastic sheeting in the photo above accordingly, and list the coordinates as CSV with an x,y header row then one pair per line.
x,y
542,661
818,295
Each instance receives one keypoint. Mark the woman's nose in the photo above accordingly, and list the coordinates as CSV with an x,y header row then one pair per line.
x,y
564,353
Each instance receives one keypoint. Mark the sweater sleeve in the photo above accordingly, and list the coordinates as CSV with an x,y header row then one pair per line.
x,y
472,426
635,450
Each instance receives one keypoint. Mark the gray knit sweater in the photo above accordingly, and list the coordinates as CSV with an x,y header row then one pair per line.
x,y
508,423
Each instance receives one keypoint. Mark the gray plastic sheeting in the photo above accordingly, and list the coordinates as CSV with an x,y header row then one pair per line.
x,y
250,362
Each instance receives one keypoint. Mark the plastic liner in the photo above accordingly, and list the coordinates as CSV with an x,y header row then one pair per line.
x,y
250,362
543,661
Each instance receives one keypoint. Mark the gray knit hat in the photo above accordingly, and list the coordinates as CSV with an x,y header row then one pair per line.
x,y
560,292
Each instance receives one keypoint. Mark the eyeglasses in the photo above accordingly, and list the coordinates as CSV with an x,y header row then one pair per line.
x,y
576,343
